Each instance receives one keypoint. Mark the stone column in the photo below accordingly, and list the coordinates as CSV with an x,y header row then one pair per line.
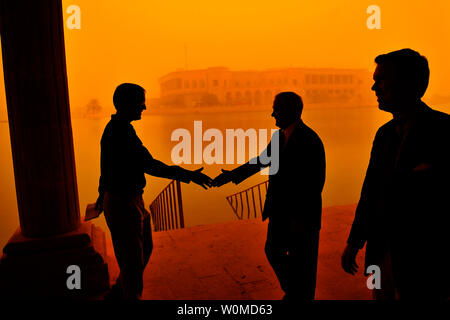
x,y
39,117
51,238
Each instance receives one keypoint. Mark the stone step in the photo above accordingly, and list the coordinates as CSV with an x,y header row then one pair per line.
x,y
227,262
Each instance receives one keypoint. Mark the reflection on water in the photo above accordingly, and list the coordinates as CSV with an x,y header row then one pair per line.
x,y
346,133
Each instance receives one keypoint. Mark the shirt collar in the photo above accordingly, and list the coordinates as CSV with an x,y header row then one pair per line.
x,y
288,131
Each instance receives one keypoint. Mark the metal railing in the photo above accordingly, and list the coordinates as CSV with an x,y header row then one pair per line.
x,y
167,208
246,201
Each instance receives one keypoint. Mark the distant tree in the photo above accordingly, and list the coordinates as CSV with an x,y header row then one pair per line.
x,y
93,107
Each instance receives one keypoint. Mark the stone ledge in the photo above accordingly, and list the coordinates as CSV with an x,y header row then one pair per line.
x,y
37,268
19,244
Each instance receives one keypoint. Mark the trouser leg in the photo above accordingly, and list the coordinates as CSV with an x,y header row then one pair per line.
x,y
147,240
293,255
388,288
302,265
276,254
125,223
277,260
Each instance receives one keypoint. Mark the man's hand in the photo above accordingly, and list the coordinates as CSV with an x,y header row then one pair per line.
x,y
99,203
224,178
349,259
201,179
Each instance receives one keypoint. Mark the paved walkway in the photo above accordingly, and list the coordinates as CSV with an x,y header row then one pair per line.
x,y
227,262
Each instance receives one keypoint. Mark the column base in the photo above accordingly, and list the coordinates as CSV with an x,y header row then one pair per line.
x,y
37,268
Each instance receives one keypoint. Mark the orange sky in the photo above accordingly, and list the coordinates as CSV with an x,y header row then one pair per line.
x,y
139,41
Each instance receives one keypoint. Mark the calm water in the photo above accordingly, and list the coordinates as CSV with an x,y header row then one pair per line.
x,y
346,133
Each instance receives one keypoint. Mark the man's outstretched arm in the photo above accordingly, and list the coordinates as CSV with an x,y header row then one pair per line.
x,y
243,172
160,169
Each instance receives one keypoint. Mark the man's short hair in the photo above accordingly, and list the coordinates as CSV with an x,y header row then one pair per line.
x,y
128,94
410,66
290,100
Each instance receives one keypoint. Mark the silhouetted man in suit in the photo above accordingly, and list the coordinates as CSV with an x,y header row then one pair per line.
x,y
124,163
403,211
293,201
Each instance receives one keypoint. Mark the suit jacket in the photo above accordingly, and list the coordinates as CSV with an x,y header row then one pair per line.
x,y
404,199
295,191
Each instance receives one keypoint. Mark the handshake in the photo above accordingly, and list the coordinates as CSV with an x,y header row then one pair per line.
x,y
204,181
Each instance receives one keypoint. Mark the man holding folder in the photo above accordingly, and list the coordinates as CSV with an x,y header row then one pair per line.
x,y
124,163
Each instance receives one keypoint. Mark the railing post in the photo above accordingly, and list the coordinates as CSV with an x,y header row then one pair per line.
x,y
180,204
239,201
167,208
260,200
253,199
242,206
171,207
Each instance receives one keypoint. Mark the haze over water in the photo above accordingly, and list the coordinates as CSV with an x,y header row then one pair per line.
x,y
346,133
140,41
